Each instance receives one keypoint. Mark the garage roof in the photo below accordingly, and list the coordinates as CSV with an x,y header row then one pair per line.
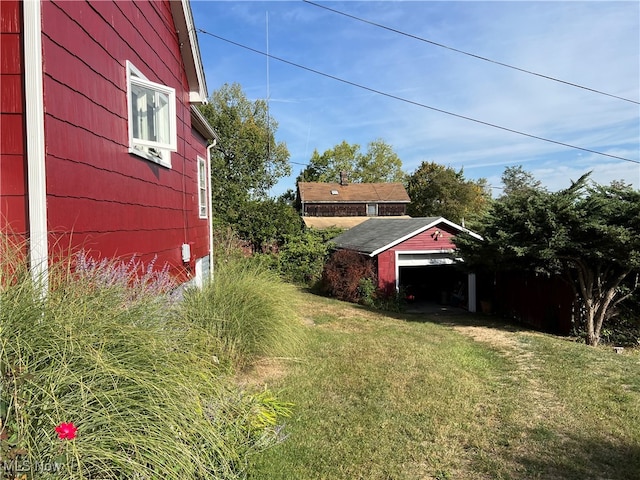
x,y
379,234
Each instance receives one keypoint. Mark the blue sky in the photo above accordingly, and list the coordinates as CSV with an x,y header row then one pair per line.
x,y
592,44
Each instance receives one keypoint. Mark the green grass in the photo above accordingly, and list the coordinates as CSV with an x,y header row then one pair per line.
x,y
409,397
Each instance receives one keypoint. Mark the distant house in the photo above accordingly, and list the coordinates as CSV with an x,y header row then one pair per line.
x,y
347,204
103,148
416,255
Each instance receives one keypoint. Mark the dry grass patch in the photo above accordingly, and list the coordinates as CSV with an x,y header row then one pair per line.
x,y
263,372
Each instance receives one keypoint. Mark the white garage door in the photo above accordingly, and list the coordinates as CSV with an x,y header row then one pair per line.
x,y
423,259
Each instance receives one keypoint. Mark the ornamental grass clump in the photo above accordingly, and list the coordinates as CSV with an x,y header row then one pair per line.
x,y
251,312
97,382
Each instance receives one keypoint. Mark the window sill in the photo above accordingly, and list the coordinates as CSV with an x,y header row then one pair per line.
x,y
164,160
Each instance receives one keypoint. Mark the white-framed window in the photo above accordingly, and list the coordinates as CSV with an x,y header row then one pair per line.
x,y
202,188
152,117
372,209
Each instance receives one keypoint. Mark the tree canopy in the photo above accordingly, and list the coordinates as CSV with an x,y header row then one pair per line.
x,y
267,222
517,180
588,233
247,161
436,190
378,164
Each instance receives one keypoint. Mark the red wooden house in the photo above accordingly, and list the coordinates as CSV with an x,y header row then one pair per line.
x,y
103,148
414,254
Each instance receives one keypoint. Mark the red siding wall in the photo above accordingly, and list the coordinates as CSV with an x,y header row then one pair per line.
x,y
436,238
100,197
544,303
13,200
387,271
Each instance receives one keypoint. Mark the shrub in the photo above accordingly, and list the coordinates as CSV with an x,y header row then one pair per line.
x,y
249,310
227,244
343,274
302,256
624,328
133,278
367,292
140,383
391,302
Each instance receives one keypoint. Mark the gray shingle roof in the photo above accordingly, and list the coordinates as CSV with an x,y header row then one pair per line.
x,y
379,234
376,233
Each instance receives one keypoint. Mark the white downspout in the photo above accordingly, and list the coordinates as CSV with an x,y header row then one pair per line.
x,y
34,122
210,206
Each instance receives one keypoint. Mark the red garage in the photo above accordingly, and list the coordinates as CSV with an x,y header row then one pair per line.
x,y
414,254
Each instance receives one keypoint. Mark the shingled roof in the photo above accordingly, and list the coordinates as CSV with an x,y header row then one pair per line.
x,y
317,192
379,234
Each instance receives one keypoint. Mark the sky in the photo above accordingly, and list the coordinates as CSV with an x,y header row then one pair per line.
x,y
416,93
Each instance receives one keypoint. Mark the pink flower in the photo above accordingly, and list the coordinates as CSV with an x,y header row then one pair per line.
x,y
66,431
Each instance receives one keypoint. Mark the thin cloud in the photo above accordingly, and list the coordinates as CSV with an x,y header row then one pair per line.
x,y
594,43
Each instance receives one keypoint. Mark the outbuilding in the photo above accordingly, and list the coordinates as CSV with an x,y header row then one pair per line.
x,y
344,204
415,255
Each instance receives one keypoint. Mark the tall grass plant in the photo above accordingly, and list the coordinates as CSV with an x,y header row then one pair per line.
x,y
142,384
250,311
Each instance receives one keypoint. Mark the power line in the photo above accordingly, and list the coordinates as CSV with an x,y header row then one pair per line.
x,y
412,102
415,37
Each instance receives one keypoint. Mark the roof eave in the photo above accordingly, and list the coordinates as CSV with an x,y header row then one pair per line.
x,y
185,27
461,228
354,248
201,124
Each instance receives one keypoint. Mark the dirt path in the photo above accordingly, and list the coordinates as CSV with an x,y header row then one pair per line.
x,y
511,345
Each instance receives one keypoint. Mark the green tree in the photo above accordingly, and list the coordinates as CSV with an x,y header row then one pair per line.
x,y
302,256
247,161
267,223
588,233
378,164
436,190
517,180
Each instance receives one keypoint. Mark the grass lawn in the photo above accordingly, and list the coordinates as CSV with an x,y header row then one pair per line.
x,y
449,397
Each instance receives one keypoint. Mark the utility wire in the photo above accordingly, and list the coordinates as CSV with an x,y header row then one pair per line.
x,y
412,102
415,37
